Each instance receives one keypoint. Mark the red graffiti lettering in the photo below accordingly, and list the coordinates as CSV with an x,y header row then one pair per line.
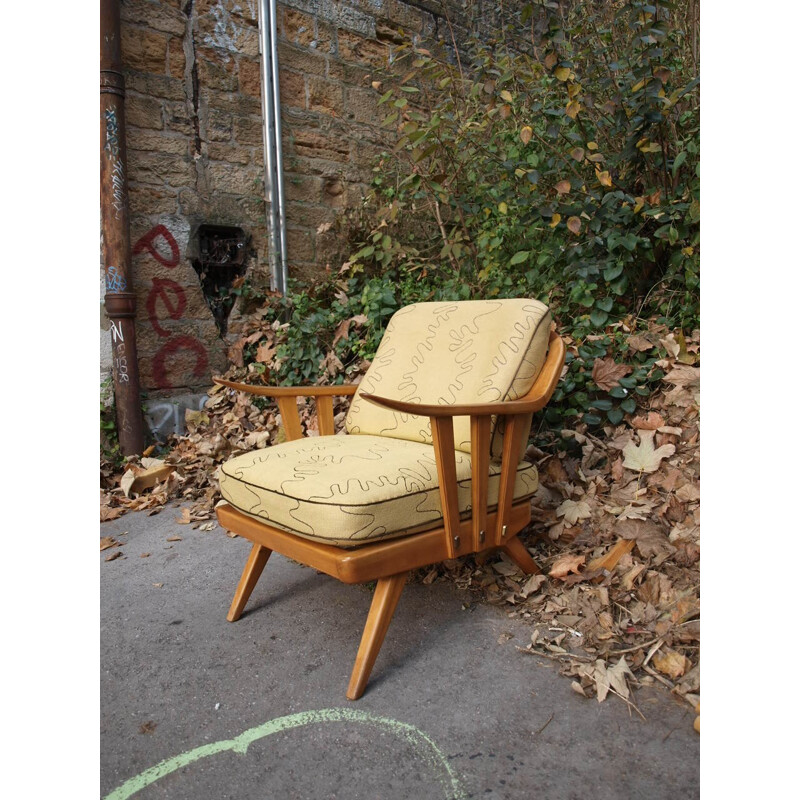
x,y
175,344
173,299
147,242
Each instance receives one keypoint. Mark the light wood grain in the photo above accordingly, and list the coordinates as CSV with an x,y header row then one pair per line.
x,y
344,390
259,555
384,602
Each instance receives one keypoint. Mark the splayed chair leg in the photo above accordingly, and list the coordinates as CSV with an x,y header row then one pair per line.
x,y
384,602
258,557
519,554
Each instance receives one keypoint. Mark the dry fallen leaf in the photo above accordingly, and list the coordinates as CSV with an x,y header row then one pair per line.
x,y
174,539
565,564
653,421
572,511
185,518
115,554
671,662
645,458
108,541
606,373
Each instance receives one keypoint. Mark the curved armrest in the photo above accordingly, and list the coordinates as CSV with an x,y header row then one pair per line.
x,y
290,391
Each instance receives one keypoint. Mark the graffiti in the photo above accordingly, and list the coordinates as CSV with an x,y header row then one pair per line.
x,y
169,417
120,362
424,748
226,31
116,332
169,296
148,243
112,147
115,280
173,346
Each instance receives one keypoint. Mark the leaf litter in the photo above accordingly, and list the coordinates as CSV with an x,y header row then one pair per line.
x,y
612,614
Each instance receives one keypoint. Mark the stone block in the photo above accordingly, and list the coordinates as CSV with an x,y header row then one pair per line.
x,y
355,48
248,131
144,50
161,168
219,125
298,28
155,86
233,179
232,153
250,76
299,245
149,200
143,112
177,58
235,102
178,118
215,72
302,188
300,60
157,16
325,96
319,145
308,216
293,89
361,105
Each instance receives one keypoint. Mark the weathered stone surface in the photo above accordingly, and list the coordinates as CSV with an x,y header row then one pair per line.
x,y
353,47
219,126
293,89
143,112
149,140
248,131
250,76
317,145
361,105
302,188
325,96
176,57
160,168
298,28
300,60
233,154
309,216
234,179
154,15
216,72
299,245
144,50
156,86
150,200
178,118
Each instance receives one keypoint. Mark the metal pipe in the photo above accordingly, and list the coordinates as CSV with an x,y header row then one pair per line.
x,y
273,154
120,300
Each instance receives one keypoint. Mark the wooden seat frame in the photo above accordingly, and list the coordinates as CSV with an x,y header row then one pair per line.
x,y
389,562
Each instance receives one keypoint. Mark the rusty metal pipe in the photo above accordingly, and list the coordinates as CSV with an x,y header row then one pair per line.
x,y
120,299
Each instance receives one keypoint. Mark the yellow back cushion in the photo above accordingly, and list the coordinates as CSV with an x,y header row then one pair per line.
x,y
469,351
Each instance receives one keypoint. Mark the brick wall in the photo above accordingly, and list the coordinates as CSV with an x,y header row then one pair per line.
x,y
195,150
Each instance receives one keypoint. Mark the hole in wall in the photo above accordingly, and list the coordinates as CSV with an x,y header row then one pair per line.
x,y
221,259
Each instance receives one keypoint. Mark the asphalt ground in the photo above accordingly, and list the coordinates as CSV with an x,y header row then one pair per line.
x,y
193,706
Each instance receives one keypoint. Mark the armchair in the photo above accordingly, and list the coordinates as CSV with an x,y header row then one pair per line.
x,y
430,467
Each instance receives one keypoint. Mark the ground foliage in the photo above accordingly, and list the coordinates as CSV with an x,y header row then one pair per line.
x,y
568,173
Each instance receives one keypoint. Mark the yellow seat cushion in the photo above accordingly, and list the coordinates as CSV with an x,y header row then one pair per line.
x,y
350,490
469,351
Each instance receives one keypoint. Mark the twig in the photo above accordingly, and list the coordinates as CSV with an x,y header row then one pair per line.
x,y
554,656
545,725
625,699
634,649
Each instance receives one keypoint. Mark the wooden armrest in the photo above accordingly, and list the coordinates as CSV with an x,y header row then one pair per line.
x,y
290,391
287,405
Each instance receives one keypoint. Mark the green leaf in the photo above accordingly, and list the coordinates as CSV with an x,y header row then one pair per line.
x,y
679,159
628,405
519,257
602,404
606,304
615,416
592,419
612,272
598,318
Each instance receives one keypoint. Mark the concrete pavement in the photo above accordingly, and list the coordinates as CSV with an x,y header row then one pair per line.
x,y
195,707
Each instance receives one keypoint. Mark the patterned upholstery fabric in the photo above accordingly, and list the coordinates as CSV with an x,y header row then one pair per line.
x,y
350,490
459,352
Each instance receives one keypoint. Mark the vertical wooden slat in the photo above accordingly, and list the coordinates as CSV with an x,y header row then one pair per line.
x,y
508,474
445,452
290,417
325,415
480,434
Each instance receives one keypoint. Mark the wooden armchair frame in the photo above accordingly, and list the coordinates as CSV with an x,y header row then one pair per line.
x,y
388,562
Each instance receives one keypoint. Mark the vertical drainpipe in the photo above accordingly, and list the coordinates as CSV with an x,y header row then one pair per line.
x,y
273,155
120,300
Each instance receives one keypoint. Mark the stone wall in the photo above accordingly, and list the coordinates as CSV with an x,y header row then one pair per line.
x,y
195,149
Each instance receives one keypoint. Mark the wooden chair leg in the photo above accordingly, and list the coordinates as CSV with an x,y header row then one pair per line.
x,y
519,554
258,557
384,602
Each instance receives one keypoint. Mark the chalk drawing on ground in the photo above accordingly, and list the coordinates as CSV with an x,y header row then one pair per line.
x,y
422,744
